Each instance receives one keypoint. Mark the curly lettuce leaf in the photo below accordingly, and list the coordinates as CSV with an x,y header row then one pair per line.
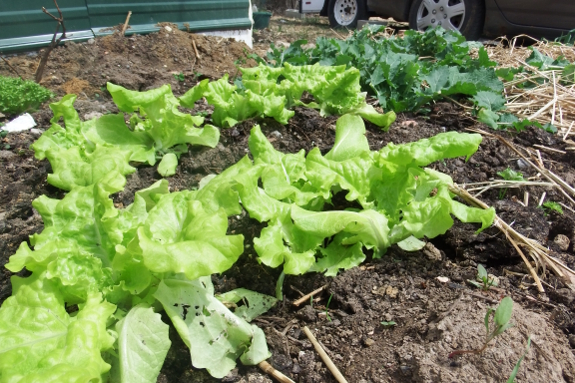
x,y
170,240
40,341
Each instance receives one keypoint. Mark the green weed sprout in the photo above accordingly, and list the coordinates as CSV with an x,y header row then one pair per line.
x,y
509,175
482,276
388,324
553,206
327,308
501,321
516,368
180,77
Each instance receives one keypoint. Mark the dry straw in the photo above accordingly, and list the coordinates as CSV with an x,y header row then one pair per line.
x,y
551,99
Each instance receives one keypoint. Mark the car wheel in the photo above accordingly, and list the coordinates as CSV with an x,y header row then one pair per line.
x,y
465,16
346,13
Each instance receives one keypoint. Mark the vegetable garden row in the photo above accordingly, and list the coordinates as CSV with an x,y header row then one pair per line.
x,y
101,274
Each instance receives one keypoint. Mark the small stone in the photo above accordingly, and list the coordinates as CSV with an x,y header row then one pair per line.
x,y
432,252
562,241
443,279
572,340
369,342
167,28
276,134
2,115
36,132
91,41
391,292
522,164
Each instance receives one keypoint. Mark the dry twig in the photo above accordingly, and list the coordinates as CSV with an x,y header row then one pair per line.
x,y
126,23
11,67
538,253
268,369
53,44
326,359
308,296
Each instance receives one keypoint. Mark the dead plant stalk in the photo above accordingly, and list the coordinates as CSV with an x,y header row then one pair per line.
x,y
55,42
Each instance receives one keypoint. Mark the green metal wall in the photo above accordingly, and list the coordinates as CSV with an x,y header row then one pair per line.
x,y
23,25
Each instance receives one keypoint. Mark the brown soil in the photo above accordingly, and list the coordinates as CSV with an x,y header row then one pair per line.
x,y
433,318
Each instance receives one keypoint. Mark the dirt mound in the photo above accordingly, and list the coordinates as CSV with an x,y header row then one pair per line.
x,y
137,62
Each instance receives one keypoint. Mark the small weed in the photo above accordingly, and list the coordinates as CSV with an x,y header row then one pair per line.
x,y
509,175
327,308
550,206
388,324
3,133
180,77
501,320
516,368
483,277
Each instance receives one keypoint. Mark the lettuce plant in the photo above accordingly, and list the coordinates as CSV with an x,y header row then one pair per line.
x,y
101,274
18,95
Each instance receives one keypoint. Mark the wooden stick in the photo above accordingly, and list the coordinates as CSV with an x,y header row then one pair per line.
x,y
126,23
326,359
195,49
307,296
549,149
268,369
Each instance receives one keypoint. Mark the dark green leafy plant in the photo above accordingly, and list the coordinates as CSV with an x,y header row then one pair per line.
x,y
501,321
18,95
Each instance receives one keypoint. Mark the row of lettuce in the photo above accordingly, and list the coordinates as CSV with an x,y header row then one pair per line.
x,y
410,72
100,274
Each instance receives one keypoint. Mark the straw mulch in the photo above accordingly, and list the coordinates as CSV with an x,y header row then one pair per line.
x,y
551,99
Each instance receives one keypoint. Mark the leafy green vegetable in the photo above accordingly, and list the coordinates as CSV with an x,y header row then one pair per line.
x,y
403,73
273,91
167,166
143,342
18,95
40,341
215,336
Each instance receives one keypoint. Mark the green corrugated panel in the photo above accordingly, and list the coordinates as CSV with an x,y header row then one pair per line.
x,y
24,25
198,14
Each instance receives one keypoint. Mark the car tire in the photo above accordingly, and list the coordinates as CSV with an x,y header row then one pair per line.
x,y
449,15
346,13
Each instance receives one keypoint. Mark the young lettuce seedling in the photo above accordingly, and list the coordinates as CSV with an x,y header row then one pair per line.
x,y
501,321
482,276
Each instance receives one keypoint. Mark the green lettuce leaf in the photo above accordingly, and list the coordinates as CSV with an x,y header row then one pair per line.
x,y
170,239
215,335
143,343
41,342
